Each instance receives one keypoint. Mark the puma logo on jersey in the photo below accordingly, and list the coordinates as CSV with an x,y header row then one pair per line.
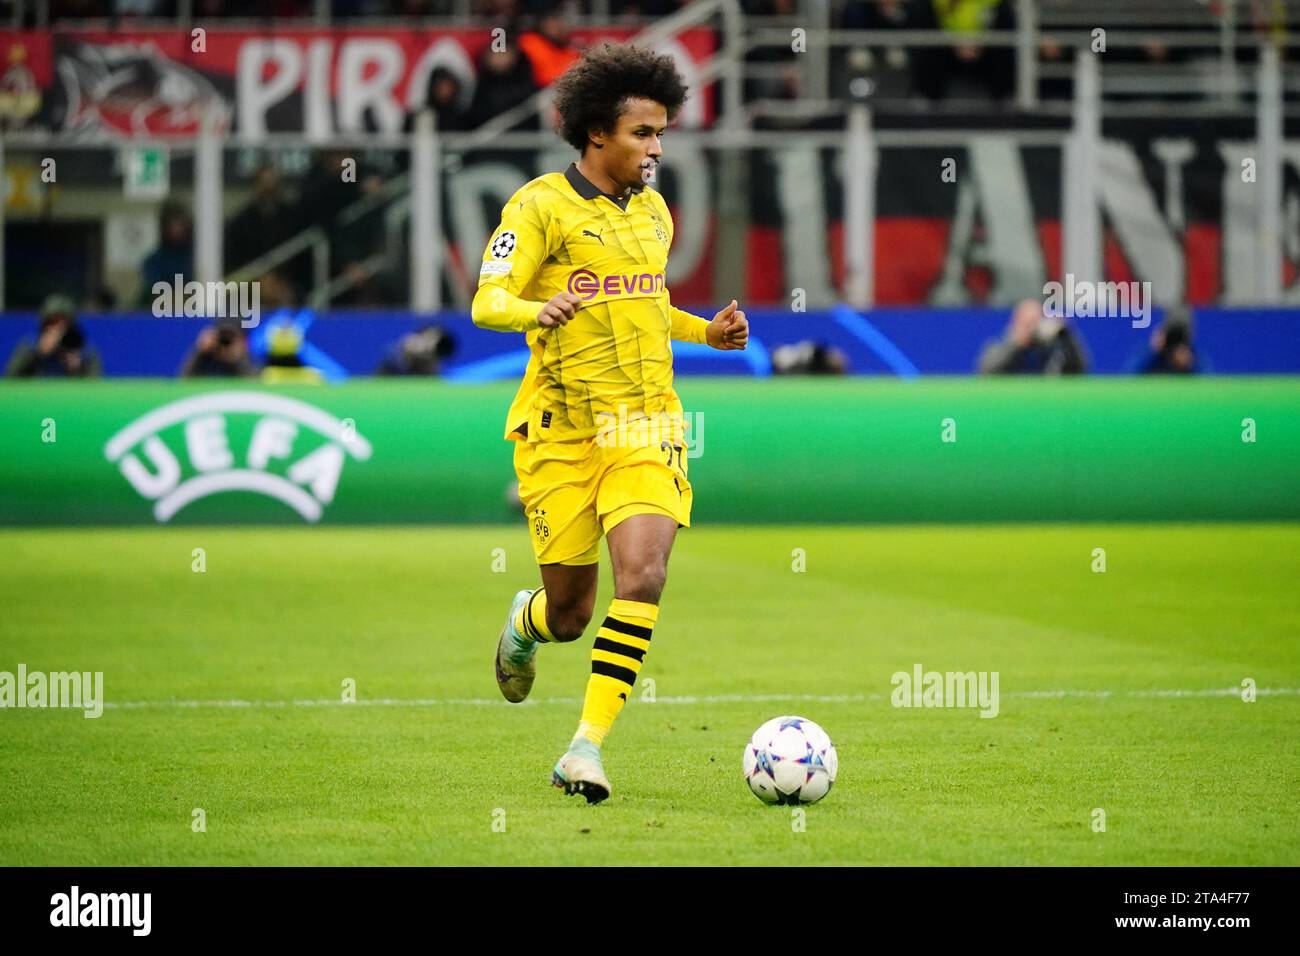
x,y
594,235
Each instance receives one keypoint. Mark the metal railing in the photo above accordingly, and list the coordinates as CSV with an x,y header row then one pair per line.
x,y
1175,25
411,200
425,253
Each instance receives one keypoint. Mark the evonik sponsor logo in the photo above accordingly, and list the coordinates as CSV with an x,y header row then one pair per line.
x,y
586,284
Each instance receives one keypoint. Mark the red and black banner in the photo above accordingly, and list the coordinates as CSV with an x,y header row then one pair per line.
x,y
318,82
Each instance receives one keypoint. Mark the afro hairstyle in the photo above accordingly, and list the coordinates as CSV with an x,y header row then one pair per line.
x,y
591,93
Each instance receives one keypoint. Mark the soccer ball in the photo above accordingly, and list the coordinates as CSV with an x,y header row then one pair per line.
x,y
790,760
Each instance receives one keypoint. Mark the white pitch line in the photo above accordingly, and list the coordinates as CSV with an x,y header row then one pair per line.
x,y
704,699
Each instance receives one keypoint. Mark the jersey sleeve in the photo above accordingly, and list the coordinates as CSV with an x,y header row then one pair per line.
x,y
686,327
517,249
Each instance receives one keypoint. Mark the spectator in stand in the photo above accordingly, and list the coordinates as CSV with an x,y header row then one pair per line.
x,y
324,194
1268,19
442,95
992,68
784,86
323,199
550,49
175,252
887,64
60,349
1034,344
880,15
263,224
221,351
1176,16
505,79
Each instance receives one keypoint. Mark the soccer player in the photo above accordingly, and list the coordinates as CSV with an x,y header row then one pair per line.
x,y
578,264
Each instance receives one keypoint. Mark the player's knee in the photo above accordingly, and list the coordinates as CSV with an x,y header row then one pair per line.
x,y
569,625
645,586
567,632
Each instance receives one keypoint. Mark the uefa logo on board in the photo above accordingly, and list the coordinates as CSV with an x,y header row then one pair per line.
x,y
252,442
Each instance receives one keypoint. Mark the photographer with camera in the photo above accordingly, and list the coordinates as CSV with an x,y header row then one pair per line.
x,y
60,349
1172,351
418,353
1034,344
220,351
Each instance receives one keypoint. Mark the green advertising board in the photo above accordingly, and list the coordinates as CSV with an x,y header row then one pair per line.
x,y
764,450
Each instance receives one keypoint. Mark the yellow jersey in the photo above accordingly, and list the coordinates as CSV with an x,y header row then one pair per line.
x,y
559,233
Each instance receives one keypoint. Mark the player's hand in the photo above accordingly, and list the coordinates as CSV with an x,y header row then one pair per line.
x,y
729,329
562,308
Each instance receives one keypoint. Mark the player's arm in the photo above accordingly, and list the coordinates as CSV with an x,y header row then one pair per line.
x,y
686,327
495,308
518,247
729,329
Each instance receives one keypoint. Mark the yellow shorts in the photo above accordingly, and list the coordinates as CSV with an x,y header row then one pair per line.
x,y
574,491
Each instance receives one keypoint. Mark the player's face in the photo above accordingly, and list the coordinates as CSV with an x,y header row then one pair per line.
x,y
634,149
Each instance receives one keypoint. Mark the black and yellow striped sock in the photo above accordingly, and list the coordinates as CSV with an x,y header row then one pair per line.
x,y
621,645
531,619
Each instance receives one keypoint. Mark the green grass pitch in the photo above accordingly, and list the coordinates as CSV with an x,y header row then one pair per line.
x,y
224,693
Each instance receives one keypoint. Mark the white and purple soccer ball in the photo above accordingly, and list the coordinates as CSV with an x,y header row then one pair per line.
x,y
790,760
